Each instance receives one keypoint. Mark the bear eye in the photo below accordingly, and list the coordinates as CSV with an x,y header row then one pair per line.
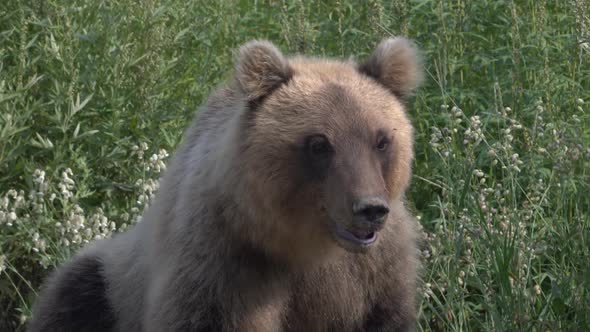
x,y
382,144
319,145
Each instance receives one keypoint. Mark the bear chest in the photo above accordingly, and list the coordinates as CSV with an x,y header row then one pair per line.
x,y
328,300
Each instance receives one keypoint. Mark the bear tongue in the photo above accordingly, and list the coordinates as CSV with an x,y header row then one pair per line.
x,y
362,234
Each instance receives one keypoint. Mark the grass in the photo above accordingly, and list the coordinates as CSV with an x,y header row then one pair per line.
x,y
94,94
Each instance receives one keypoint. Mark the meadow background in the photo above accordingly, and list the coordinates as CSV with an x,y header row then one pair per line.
x,y
94,95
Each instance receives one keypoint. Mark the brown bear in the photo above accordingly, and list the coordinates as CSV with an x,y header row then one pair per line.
x,y
282,210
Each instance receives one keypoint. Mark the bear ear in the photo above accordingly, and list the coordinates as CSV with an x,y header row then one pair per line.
x,y
395,63
260,69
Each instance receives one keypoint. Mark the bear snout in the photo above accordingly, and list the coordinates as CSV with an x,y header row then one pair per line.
x,y
370,210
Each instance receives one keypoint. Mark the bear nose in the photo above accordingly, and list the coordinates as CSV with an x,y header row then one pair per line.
x,y
372,209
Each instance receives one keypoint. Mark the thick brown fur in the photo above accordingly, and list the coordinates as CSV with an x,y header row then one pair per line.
x,y
245,233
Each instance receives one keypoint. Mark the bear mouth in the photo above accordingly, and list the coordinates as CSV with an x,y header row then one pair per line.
x,y
357,236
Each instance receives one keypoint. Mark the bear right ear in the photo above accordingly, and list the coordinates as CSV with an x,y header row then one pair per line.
x,y
395,63
261,68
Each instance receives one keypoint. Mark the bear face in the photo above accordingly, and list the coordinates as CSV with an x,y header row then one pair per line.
x,y
325,147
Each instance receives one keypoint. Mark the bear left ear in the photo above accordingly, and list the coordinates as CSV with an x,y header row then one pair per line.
x,y
395,63
261,68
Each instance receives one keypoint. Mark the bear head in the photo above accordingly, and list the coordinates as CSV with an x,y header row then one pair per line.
x,y
324,147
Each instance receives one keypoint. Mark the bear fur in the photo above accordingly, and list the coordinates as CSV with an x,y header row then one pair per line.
x,y
282,210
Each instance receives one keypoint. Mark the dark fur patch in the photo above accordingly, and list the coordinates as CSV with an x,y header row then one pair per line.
x,y
384,318
259,263
254,104
214,318
375,319
75,300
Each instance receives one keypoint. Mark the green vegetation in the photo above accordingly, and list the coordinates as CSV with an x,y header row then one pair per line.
x,y
93,94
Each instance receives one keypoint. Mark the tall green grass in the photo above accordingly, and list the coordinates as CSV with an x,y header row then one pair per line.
x,y
94,94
